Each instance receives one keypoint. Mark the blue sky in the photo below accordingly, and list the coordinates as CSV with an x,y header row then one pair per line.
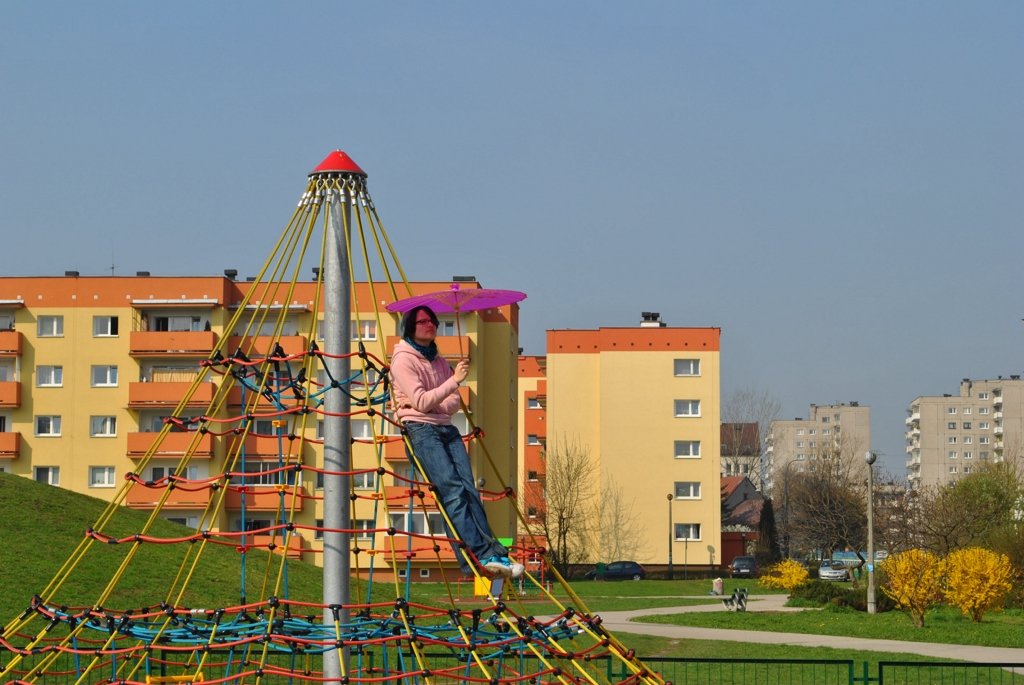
x,y
838,187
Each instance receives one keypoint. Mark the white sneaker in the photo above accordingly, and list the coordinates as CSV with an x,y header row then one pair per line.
x,y
503,566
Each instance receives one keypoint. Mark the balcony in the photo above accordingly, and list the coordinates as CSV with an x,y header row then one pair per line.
x,y
398,496
263,345
296,544
998,416
998,430
174,444
171,343
141,497
394,451
169,394
10,445
10,344
264,446
10,394
266,497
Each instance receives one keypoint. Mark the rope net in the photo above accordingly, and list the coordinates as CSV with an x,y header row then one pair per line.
x,y
266,398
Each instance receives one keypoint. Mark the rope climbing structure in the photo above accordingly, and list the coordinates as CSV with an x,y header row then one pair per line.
x,y
274,397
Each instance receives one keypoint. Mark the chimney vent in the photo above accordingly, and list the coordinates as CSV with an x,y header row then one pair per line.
x,y
141,273
231,273
651,320
71,273
463,279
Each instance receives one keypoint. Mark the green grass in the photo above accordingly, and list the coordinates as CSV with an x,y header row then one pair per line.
x,y
942,625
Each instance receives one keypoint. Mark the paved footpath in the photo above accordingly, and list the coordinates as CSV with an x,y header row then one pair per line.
x,y
622,622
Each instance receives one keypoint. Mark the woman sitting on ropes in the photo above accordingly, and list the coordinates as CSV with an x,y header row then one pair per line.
x,y
426,396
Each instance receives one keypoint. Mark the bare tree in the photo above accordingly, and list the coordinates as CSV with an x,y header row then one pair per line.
x,y
824,500
619,530
566,517
748,406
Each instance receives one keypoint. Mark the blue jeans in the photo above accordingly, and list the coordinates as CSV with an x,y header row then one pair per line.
x,y
443,457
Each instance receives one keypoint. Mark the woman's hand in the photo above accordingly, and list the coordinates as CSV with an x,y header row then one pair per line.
x,y
461,371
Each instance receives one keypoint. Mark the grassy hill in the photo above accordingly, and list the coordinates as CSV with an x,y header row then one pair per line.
x,y
42,525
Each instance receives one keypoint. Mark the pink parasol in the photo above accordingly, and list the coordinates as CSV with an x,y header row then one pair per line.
x,y
457,300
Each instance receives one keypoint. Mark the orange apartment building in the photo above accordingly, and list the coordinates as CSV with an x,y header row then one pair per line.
x,y
90,368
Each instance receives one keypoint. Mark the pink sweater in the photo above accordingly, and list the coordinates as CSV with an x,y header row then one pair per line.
x,y
423,391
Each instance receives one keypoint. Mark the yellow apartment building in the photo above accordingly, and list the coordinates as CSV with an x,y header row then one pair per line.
x,y
92,369
644,402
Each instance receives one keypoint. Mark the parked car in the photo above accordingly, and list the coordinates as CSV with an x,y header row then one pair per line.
x,y
832,570
744,567
617,570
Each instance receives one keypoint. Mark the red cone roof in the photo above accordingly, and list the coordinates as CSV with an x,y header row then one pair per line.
x,y
338,162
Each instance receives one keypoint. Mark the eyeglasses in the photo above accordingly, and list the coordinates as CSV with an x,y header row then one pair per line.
x,y
424,322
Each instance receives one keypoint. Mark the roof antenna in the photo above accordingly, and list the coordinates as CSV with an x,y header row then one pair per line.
x,y
111,262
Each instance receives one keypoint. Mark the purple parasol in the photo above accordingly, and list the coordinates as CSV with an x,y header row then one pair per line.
x,y
457,300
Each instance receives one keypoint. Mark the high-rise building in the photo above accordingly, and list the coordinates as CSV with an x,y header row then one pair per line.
x,y
842,429
642,403
92,369
950,436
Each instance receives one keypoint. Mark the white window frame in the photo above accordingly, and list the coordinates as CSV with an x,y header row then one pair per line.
x,y
53,425
105,326
52,373
364,329
101,477
102,426
52,475
686,489
983,410
103,376
982,395
365,480
533,403
50,326
686,408
685,531
532,439
686,367
686,449
950,410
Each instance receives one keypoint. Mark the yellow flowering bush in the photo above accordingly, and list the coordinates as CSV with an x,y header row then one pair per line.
x,y
913,579
977,580
786,575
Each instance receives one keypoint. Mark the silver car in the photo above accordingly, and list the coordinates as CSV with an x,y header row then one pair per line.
x,y
830,570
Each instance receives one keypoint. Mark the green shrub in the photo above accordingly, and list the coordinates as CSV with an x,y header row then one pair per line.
x,y
836,595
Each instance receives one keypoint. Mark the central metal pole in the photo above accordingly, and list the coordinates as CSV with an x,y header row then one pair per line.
x,y
337,431
671,535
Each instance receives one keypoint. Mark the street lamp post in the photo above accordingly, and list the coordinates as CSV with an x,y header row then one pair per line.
x,y
870,457
671,535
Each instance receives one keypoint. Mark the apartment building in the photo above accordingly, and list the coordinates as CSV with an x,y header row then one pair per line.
x,y
843,428
91,368
950,436
644,403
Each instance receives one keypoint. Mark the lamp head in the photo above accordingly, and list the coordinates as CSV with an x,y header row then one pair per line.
x,y
870,457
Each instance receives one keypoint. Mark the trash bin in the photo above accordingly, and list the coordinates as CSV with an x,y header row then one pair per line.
x,y
717,586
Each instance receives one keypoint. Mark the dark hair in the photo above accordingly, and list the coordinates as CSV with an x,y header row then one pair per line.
x,y
409,320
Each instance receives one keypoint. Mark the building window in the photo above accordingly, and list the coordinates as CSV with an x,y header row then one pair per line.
x,y
983,410
952,454
951,425
967,425
983,425
953,469
687,367
177,323
49,376
50,326
48,474
101,476
104,326
361,429
951,440
187,521
800,431
982,455
967,410
824,419
446,327
533,403
48,426
531,476
532,439
364,528
424,573
812,432
951,410
982,395
416,522
687,490
687,407
799,443
102,426
687,449
364,329
104,376
967,469
968,439
968,455
983,440
531,512
687,531
367,480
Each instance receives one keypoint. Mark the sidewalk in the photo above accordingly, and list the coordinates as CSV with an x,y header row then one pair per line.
x,y
622,622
